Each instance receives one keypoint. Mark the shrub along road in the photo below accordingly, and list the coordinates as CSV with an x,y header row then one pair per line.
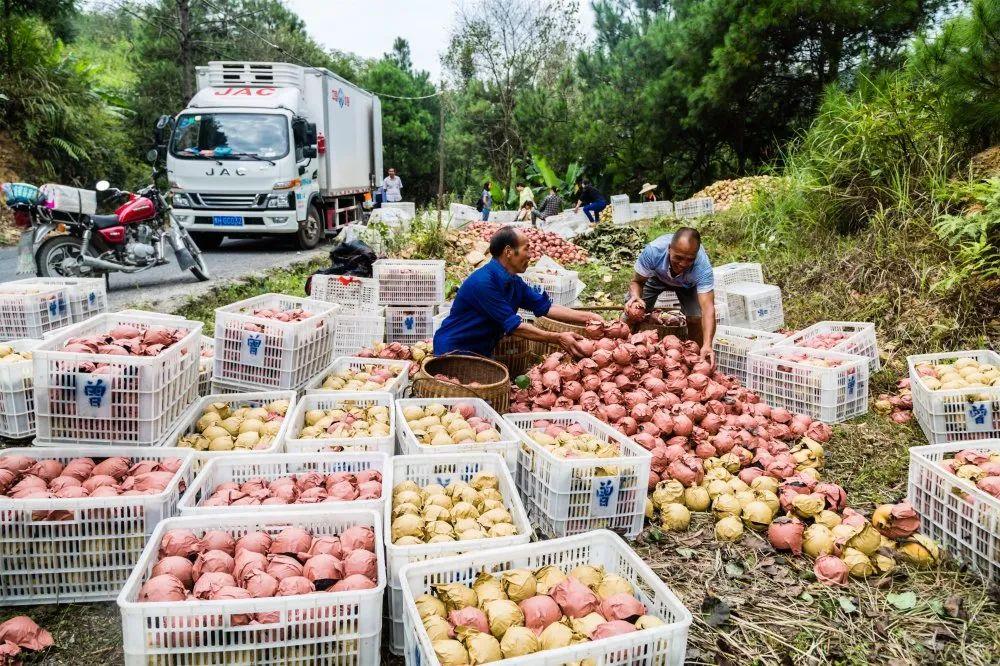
x,y
165,285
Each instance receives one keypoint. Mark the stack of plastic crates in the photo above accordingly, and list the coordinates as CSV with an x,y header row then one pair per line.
x,y
257,352
409,290
694,207
732,344
753,305
87,296
727,275
29,311
89,398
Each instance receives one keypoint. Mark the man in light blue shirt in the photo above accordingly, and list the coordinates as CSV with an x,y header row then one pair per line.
x,y
677,262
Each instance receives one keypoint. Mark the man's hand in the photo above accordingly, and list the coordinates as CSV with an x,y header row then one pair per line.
x,y
708,355
571,343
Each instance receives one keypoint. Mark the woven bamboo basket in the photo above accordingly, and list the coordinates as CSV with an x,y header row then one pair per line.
x,y
492,377
609,313
518,354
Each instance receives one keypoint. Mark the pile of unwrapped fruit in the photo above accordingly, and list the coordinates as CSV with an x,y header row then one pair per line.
x,y
227,426
8,355
715,446
958,374
125,340
459,511
19,633
438,425
220,566
523,611
307,488
540,243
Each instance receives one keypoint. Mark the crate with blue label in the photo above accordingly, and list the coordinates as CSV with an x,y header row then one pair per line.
x,y
29,310
409,325
86,296
116,379
273,341
483,512
956,395
753,305
826,385
577,473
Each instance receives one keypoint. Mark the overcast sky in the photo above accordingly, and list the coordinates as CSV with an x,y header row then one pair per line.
x,y
368,27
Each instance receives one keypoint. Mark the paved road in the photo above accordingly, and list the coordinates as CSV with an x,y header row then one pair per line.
x,y
166,286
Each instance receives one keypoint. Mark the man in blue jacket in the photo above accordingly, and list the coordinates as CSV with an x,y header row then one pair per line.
x,y
486,306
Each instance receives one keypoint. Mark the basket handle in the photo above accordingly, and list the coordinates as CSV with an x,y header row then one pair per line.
x,y
413,383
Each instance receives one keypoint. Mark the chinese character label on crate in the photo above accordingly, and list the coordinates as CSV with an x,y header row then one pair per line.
x,y
604,496
93,399
252,349
979,417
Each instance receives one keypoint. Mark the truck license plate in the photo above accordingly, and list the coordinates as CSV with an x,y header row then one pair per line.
x,y
227,220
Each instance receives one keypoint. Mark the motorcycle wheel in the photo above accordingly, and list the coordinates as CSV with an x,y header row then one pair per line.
x,y
60,257
200,268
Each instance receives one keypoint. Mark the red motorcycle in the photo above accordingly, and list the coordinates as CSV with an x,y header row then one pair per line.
x,y
134,239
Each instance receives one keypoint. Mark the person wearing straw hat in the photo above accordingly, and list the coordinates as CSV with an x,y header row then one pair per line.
x,y
486,305
648,192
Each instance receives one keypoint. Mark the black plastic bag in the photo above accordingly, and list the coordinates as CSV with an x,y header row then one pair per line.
x,y
351,258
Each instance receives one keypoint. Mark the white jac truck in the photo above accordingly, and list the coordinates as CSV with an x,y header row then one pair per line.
x,y
270,148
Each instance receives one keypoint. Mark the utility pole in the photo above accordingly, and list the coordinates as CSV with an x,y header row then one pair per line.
x,y
184,41
440,153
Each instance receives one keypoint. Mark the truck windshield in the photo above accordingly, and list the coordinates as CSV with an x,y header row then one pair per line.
x,y
230,135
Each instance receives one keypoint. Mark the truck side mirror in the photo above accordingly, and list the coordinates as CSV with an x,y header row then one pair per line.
x,y
311,135
164,128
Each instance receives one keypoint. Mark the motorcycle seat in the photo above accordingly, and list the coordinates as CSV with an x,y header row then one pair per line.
x,y
105,221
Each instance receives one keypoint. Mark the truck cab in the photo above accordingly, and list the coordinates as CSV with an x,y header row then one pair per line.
x,y
251,153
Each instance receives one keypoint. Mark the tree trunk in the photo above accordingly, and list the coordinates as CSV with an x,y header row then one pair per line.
x,y
8,37
187,70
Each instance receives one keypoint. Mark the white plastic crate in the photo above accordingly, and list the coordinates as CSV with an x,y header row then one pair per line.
x,y
349,291
357,330
668,299
395,387
17,394
506,447
621,210
87,296
830,395
269,466
235,400
205,366
756,306
732,344
409,324
294,443
86,551
721,313
267,353
128,400
727,275
462,214
955,415
664,645
30,311
860,339
443,469
567,496
954,512
222,387
409,282
343,628
561,288
694,207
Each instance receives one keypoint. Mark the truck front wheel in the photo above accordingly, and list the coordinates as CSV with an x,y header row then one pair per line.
x,y
310,230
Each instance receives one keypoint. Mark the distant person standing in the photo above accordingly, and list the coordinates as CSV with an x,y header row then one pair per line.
x,y
551,205
592,201
524,194
485,202
392,186
648,192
